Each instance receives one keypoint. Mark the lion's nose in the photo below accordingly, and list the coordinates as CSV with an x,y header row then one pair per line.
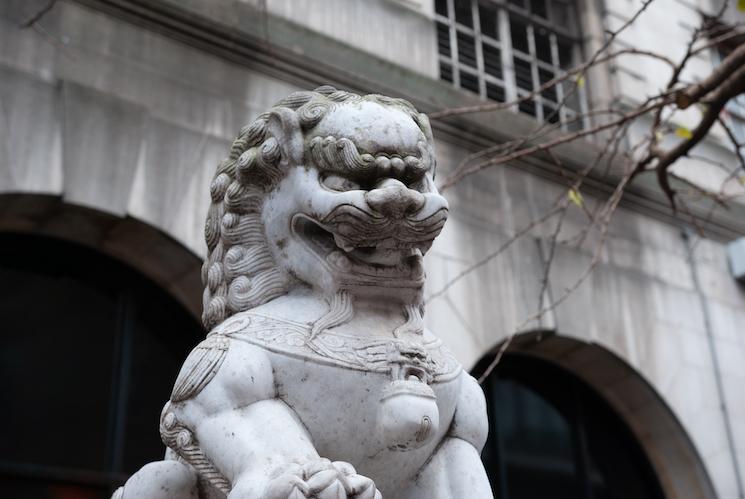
x,y
393,199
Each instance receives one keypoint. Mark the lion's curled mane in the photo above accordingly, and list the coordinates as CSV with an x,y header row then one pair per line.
x,y
240,272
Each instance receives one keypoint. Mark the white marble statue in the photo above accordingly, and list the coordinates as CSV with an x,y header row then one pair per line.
x,y
318,378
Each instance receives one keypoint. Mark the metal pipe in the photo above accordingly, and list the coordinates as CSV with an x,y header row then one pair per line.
x,y
687,238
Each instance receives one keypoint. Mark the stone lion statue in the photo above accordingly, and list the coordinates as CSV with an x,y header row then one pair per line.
x,y
317,378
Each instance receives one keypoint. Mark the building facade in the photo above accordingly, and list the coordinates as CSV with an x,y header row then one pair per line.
x,y
115,114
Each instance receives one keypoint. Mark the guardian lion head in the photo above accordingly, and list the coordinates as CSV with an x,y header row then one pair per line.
x,y
327,190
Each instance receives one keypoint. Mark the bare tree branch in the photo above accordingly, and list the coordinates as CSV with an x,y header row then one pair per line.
x,y
619,144
38,15
727,70
563,139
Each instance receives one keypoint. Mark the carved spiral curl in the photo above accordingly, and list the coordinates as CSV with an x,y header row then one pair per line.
x,y
247,230
296,99
311,113
241,199
240,261
245,293
239,272
342,155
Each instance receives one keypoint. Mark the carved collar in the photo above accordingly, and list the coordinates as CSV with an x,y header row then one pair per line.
x,y
373,354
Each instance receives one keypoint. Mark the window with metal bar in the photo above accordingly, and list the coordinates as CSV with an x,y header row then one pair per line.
x,y
552,436
505,50
89,349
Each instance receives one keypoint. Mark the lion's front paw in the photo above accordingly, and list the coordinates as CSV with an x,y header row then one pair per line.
x,y
322,479
356,486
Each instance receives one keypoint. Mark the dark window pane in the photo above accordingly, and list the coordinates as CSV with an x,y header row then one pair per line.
x,y
446,72
495,92
562,14
543,45
492,60
488,19
551,436
92,344
566,59
519,32
466,50
544,77
443,39
533,425
523,75
550,114
622,473
441,7
538,7
463,13
530,426
518,3
76,328
469,82
527,107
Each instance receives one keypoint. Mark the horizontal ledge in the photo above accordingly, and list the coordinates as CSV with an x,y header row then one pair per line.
x,y
233,31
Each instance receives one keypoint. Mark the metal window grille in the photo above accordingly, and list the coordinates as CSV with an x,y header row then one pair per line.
x,y
503,50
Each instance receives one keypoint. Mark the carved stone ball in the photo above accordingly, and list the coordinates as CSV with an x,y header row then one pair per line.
x,y
408,416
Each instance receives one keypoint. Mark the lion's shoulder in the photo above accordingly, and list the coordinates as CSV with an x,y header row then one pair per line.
x,y
221,371
200,367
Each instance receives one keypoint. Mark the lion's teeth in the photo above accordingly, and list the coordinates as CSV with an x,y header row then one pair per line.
x,y
417,269
342,244
339,260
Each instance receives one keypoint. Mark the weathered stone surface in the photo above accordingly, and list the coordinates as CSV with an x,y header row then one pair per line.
x,y
318,377
175,162
100,153
30,132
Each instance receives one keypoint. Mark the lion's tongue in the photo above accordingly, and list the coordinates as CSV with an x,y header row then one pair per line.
x,y
342,243
377,256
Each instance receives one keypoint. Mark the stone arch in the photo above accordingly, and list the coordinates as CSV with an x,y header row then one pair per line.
x,y
150,251
673,456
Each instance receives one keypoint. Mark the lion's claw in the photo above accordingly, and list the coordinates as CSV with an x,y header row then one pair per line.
x,y
322,479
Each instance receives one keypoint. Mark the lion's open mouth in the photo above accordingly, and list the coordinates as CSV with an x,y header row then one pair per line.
x,y
384,260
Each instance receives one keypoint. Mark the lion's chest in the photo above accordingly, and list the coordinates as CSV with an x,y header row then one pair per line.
x,y
382,404
343,410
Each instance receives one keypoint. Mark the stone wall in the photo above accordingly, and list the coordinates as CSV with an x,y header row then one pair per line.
x,y
640,302
107,115
667,26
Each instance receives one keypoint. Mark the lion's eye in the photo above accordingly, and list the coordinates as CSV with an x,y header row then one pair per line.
x,y
337,183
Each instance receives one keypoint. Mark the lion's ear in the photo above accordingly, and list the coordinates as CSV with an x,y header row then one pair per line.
x,y
284,125
422,121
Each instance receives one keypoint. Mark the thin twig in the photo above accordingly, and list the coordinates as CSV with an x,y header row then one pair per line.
x,y
38,15
491,256
610,209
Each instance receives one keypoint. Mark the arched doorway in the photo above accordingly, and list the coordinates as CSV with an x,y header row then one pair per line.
x,y
89,349
577,418
552,436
